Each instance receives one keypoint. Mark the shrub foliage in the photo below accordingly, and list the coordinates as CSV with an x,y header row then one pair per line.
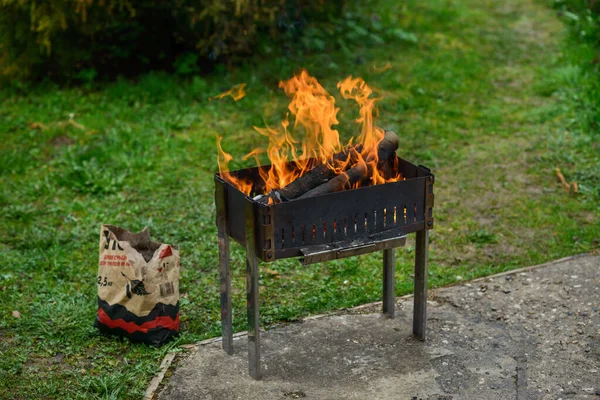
x,y
83,38
583,16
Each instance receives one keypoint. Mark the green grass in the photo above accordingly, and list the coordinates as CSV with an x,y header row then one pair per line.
x,y
487,98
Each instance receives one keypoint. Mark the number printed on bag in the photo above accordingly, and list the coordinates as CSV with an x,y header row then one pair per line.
x,y
103,281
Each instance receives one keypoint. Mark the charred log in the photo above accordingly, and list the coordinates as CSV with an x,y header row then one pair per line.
x,y
363,170
322,179
313,178
386,155
342,181
386,149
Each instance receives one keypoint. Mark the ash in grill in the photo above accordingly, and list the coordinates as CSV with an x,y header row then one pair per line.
x,y
320,228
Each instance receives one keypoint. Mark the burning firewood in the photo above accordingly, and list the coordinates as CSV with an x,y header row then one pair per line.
x,y
342,181
363,170
322,179
387,147
313,178
386,154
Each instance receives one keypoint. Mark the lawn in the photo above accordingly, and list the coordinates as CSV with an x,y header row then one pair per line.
x,y
486,97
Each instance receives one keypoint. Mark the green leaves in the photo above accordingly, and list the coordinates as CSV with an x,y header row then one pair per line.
x,y
85,40
186,64
403,35
355,29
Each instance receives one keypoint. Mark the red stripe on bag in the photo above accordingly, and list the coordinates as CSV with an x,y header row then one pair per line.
x,y
166,252
130,327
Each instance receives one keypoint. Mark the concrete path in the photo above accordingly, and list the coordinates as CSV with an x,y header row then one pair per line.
x,y
526,335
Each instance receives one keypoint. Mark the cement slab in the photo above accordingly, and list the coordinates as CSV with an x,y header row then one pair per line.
x,y
527,335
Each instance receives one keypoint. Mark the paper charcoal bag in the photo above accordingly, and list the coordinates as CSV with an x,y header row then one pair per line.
x,y
138,286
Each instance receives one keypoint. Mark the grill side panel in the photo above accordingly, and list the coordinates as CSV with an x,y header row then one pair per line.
x,y
349,217
356,215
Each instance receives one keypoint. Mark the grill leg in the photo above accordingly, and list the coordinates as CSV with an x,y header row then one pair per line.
x,y
420,307
252,296
224,271
389,270
225,287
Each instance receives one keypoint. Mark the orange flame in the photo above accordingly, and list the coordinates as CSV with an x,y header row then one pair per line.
x,y
382,69
358,90
245,186
314,114
237,93
370,135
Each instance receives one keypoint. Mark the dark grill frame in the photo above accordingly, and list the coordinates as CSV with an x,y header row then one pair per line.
x,y
322,228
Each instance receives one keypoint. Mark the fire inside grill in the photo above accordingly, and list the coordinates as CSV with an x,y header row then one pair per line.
x,y
319,163
322,201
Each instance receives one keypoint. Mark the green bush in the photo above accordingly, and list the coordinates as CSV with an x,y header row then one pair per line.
x,y
583,16
86,38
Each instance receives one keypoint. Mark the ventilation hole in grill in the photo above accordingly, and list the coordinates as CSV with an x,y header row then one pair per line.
x,y
355,223
395,216
345,226
334,227
385,217
293,236
303,229
404,208
314,232
415,213
375,220
366,225
282,238
324,230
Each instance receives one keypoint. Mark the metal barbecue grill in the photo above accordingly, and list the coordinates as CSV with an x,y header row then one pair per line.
x,y
322,228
